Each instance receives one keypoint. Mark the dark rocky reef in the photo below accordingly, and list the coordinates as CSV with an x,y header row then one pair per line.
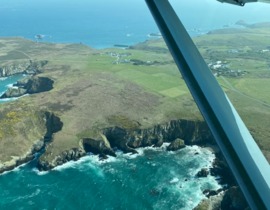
x,y
26,67
29,85
204,172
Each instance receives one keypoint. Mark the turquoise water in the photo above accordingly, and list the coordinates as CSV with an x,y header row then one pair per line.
x,y
154,179
6,82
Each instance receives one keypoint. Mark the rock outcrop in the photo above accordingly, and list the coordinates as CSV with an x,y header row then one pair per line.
x,y
29,85
97,147
234,200
204,172
26,67
193,132
64,157
213,203
176,145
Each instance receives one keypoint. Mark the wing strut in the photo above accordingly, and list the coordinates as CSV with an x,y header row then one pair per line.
x,y
242,154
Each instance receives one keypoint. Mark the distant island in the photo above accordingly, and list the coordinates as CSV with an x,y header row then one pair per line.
x,y
155,35
121,45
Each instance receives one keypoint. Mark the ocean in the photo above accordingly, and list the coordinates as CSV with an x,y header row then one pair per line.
x,y
154,179
104,23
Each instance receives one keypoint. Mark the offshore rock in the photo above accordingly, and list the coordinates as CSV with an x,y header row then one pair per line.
x,y
29,86
176,145
204,172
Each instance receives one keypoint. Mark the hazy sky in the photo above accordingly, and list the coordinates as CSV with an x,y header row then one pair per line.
x,y
201,12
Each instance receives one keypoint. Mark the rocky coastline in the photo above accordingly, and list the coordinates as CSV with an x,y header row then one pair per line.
x,y
53,125
176,132
29,85
173,132
23,67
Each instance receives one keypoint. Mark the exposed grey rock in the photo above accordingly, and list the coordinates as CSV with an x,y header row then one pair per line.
x,y
193,132
176,145
14,92
38,146
97,147
22,67
29,86
212,203
64,157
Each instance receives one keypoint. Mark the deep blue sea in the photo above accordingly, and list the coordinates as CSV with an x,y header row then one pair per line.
x,y
154,179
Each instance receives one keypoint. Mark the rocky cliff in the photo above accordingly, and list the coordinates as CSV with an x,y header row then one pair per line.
x,y
29,85
192,132
49,124
22,67
177,132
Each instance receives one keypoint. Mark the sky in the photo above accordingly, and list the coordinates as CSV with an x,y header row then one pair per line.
x,y
201,12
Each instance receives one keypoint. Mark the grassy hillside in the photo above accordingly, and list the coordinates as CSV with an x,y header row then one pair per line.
x,y
245,50
137,87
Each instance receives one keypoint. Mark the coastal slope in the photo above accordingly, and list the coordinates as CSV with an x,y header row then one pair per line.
x,y
129,90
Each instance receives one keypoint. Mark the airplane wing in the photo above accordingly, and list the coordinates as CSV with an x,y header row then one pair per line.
x,y
242,2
